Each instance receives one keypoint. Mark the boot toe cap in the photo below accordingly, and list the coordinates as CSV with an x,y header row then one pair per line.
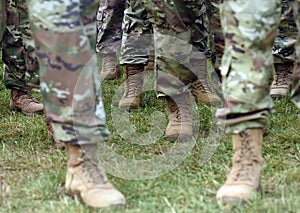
x,y
235,194
98,198
129,103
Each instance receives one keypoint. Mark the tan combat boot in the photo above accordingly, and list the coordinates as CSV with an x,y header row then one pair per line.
x,y
282,80
244,178
25,103
86,179
132,98
151,63
200,88
180,119
110,68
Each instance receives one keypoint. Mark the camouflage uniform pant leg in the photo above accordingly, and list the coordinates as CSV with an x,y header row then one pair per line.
x,y
200,31
32,79
2,19
296,74
215,33
173,38
137,30
65,38
109,26
18,53
13,50
284,46
247,64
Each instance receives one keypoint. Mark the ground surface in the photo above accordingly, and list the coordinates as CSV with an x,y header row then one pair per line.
x,y
32,171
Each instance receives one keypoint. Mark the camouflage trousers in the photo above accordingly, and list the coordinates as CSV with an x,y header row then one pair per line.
x,y
296,74
137,40
18,55
176,24
201,29
137,32
284,47
247,62
65,38
216,38
109,26
2,18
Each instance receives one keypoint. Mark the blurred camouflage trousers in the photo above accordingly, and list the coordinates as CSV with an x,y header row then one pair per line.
x,y
109,24
65,36
247,62
137,34
216,37
2,18
284,47
296,74
176,24
21,70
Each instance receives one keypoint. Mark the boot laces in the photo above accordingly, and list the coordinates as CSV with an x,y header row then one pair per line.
x,y
181,110
109,63
23,97
282,75
92,170
201,85
246,159
133,82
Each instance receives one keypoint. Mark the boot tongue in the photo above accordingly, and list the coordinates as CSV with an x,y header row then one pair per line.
x,y
282,78
201,85
181,108
108,63
93,172
134,86
134,80
91,166
282,73
23,97
246,158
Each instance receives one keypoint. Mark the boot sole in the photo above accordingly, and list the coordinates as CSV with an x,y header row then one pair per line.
x,y
231,201
129,107
179,138
77,196
276,96
107,77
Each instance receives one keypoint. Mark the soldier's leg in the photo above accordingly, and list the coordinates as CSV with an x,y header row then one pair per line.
x,y
284,52
296,73
32,80
173,37
135,49
13,50
247,67
19,75
215,33
2,18
109,24
65,38
202,88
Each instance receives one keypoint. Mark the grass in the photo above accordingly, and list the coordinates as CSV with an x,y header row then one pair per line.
x,y
32,171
